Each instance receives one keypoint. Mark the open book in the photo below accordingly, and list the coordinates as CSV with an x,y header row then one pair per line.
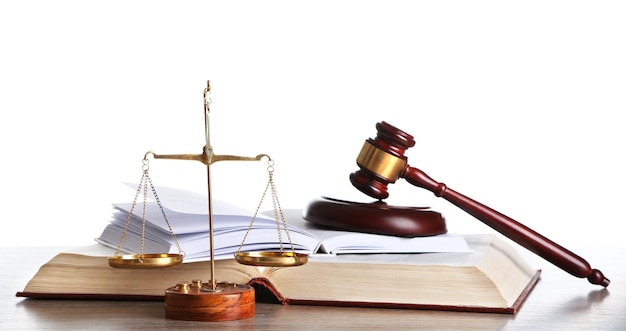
x,y
187,215
477,273
491,277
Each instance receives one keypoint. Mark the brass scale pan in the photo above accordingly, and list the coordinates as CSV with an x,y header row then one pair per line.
x,y
139,261
264,259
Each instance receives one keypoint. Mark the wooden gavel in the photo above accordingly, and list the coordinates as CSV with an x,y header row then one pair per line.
x,y
382,161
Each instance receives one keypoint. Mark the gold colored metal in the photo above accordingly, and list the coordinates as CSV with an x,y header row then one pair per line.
x,y
271,259
205,159
214,287
197,286
144,261
380,162
183,286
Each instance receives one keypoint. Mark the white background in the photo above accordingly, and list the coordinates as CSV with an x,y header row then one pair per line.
x,y
518,105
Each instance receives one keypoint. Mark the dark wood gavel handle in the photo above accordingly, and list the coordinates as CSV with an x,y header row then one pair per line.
x,y
521,234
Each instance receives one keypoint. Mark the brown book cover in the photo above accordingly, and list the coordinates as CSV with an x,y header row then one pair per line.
x,y
266,292
492,278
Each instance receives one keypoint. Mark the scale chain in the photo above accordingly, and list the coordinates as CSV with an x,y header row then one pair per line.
x,y
156,198
276,205
278,212
143,183
130,213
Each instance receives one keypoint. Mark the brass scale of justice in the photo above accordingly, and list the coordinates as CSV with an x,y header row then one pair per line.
x,y
210,301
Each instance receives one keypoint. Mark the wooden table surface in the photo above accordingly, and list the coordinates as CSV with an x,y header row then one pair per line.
x,y
558,302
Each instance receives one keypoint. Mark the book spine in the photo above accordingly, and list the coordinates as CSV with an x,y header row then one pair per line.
x,y
265,291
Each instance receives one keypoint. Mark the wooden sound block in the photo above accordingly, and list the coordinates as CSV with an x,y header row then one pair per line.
x,y
197,301
376,217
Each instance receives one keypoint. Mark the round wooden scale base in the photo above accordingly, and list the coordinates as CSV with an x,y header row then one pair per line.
x,y
197,301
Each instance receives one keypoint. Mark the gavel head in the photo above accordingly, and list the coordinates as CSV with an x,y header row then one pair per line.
x,y
381,160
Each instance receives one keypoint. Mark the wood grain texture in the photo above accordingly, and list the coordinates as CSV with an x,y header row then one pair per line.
x,y
388,148
228,302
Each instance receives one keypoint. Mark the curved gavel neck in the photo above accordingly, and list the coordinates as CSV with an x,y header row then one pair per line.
x,y
521,234
419,178
382,161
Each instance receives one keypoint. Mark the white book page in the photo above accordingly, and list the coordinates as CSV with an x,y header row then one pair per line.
x,y
187,202
347,242
188,218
